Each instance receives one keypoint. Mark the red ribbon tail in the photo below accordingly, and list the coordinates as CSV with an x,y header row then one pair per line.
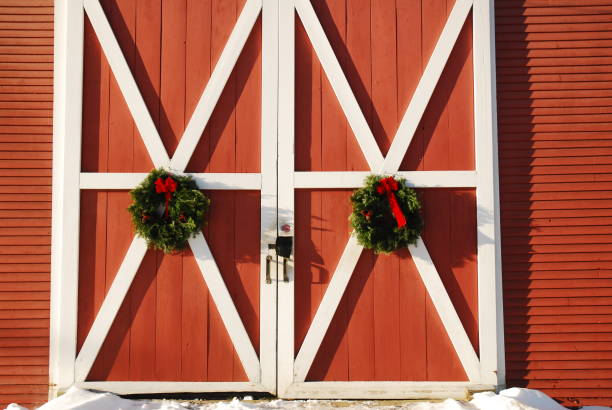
x,y
168,194
397,211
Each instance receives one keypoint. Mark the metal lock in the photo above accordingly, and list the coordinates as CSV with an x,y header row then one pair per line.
x,y
284,246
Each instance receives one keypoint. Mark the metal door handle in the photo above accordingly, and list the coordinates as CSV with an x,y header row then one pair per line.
x,y
268,277
285,275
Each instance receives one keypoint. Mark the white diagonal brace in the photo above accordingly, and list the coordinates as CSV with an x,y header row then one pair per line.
x,y
159,156
446,311
427,85
216,84
327,308
391,164
127,84
225,306
340,85
112,302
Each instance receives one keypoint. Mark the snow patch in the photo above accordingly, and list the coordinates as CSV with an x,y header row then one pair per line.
x,y
14,406
533,398
510,399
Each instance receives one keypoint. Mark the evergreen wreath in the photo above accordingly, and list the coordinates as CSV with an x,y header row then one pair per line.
x,y
386,214
167,210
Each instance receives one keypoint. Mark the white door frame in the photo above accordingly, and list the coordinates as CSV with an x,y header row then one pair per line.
x,y
66,366
484,372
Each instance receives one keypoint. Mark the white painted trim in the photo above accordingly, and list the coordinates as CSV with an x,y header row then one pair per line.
x,y
339,83
490,318
327,308
427,270
381,390
216,84
127,84
150,387
129,180
68,99
225,305
110,306
155,147
427,85
269,140
416,179
67,107
286,131
446,311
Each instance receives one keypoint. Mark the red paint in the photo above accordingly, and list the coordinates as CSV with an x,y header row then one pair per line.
x,y
385,327
553,99
168,327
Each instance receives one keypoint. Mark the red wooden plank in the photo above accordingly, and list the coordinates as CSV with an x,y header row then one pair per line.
x,y
168,335
223,120
245,287
442,360
551,10
307,103
121,16
91,260
194,320
310,272
332,359
113,360
197,72
248,103
332,16
435,122
92,271
221,233
359,293
246,260
568,239
459,72
599,17
386,269
142,294
223,159
561,374
194,311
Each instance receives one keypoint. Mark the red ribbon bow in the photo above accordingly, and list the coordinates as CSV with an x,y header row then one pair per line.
x,y
166,187
389,185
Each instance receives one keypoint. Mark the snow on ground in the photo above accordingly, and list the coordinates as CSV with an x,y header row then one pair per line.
x,y
510,399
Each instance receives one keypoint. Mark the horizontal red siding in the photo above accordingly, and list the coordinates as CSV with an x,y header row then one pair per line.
x,y
26,78
555,153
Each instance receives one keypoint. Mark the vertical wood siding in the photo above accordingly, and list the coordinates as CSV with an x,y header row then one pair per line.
x,y
385,327
168,327
555,117
26,63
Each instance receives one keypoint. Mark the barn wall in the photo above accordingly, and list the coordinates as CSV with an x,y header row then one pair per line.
x,y
26,57
555,117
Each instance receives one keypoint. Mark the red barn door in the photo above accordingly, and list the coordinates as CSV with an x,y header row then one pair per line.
x,y
385,87
179,85
278,108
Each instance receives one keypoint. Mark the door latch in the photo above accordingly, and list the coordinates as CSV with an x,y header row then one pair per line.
x,y
284,248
